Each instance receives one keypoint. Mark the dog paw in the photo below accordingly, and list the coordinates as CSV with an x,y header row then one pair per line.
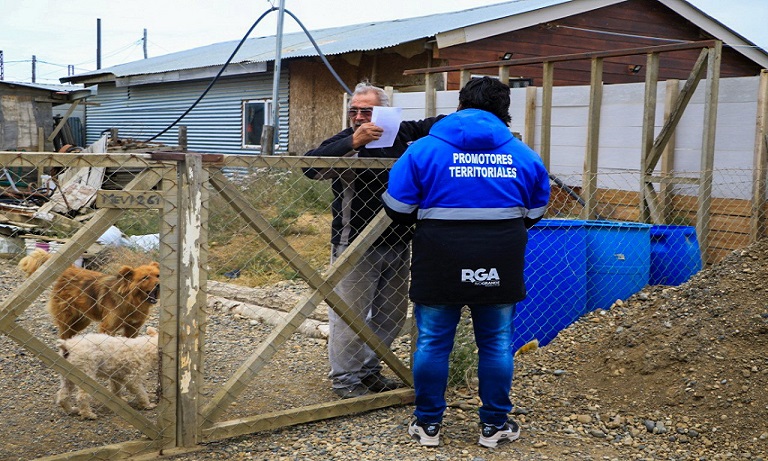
x,y
88,415
149,406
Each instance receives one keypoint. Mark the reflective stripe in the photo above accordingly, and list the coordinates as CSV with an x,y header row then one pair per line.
x,y
537,212
487,214
397,205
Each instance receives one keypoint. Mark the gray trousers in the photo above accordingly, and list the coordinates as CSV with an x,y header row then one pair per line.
x,y
377,290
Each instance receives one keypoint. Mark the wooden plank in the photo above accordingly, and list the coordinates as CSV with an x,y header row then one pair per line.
x,y
290,161
120,199
677,111
728,240
757,225
671,180
504,74
170,280
190,379
430,95
530,117
730,207
666,188
649,207
124,450
51,160
546,113
566,57
464,77
313,278
318,412
732,224
64,119
589,181
708,146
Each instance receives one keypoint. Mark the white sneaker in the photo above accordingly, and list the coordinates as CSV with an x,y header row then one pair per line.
x,y
427,434
491,436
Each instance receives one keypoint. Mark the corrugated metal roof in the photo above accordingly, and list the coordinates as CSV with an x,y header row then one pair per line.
x,y
46,86
337,40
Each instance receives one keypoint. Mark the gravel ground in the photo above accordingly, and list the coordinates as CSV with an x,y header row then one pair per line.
x,y
670,374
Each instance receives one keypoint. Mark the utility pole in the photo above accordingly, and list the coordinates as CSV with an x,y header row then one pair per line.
x,y
2,66
98,43
273,126
34,64
145,43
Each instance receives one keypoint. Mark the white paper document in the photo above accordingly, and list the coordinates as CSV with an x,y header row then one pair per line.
x,y
388,118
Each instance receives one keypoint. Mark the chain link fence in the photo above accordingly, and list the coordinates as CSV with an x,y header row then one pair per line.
x,y
255,319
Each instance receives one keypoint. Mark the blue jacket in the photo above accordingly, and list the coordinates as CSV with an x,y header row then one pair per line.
x,y
473,189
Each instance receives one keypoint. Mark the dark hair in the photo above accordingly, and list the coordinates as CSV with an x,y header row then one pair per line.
x,y
488,94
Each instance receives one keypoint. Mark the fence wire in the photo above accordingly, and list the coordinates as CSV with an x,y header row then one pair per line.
x,y
296,309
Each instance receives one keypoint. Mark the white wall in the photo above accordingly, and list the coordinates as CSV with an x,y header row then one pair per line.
x,y
621,124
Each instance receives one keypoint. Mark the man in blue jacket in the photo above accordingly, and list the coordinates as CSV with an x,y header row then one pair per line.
x,y
376,288
473,190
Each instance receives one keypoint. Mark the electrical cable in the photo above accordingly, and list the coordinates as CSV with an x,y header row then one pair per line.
x,y
322,56
210,85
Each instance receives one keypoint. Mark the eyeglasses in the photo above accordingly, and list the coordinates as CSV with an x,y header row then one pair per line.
x,y
365,111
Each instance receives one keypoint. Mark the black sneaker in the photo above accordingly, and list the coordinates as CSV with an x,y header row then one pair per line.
x,y
357,390
378,383
426,434
491,436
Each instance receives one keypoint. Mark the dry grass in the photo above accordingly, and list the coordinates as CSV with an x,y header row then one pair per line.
x,y
259,264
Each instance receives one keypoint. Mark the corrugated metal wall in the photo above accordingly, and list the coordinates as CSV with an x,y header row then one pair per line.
x,y
213,126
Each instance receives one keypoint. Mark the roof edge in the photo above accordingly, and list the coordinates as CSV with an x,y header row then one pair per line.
x,y
519,21
719,30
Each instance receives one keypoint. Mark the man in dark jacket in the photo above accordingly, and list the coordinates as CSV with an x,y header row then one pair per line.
x,y
473,190
376,289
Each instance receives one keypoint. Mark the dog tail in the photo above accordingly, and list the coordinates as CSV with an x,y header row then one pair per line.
x,y
530,346
29,264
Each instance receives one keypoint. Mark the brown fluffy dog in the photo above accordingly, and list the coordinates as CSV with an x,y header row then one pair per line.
x,y
121,302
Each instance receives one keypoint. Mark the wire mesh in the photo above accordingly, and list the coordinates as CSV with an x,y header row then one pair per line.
x,y
266,331
80,351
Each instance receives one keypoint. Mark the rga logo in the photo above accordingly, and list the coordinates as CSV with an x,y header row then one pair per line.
x,y
481,277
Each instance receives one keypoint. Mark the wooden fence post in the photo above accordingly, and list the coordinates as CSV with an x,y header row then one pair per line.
x,y
711,94
757,227
191,300
668,154
547,83
589,181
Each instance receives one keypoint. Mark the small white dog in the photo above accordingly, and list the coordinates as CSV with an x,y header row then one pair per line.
x,y
124,361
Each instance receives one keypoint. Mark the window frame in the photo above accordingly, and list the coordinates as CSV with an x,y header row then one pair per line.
x,y
245,121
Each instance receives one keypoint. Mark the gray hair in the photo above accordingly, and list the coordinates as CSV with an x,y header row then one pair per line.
x,y
366,87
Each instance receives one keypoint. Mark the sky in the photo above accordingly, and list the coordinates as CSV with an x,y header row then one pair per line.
x,y
63,35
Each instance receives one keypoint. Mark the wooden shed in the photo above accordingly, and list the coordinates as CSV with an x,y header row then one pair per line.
x,y
26,114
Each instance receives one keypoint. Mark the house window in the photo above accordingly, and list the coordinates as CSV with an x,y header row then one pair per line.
x,y
255,116
520,82
514,82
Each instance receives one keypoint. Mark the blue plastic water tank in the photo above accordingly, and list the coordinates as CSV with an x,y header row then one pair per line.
x,y
555,278
618,261
675,254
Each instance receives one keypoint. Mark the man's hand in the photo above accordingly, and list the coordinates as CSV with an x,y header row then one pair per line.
x,y
365,133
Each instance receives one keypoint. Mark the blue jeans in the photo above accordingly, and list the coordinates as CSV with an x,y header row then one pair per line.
x,y
493,327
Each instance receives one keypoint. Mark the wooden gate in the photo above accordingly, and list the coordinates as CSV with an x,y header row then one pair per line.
x,y
179,186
